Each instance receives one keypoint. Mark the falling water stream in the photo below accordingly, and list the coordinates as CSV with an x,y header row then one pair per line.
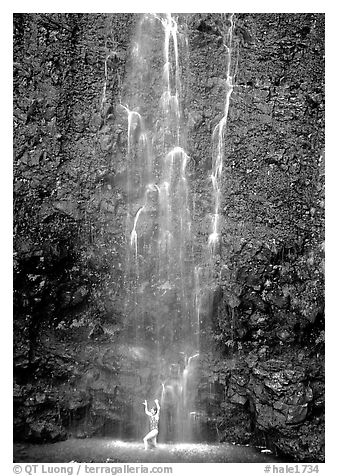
x,y
163,282
218,144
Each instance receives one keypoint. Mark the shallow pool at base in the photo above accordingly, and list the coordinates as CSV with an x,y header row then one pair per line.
x,y
104,450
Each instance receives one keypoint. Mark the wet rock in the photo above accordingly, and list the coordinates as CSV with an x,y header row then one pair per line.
x,y
297,414
278,299
276,383
232,299
269,418
285,335
281,406
258,319
295,375
251,360
69,207
96,331
80,294
254,281
82,434
238,399
42,431
259,372
263,352
40,398
241,380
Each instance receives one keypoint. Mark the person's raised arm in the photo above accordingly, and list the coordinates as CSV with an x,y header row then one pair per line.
x,y
157,406
146,408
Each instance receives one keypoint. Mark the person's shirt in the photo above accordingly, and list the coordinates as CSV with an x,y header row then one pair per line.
x,y
153,421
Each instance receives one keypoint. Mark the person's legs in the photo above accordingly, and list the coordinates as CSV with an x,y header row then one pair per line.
x,y
149,436
154,439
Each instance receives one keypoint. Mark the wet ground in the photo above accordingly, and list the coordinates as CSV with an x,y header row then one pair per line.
x,y
103,450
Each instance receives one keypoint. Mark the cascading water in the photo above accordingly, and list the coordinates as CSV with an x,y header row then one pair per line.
x,y
165,289
205,275
218,143
160,267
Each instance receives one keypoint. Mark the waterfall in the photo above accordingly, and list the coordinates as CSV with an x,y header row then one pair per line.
x,y
133,235
160,277
165,288
218,144
206,274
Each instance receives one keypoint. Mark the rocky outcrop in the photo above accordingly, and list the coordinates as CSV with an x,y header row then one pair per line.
x,y
267,322
278,404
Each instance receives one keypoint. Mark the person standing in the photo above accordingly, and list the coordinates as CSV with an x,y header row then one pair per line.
x,y
154,416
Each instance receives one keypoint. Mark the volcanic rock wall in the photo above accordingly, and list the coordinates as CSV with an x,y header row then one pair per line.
x,y
68,232
266,369
268,308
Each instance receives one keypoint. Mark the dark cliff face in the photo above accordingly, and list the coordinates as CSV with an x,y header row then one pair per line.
x,y
268,309
267,322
